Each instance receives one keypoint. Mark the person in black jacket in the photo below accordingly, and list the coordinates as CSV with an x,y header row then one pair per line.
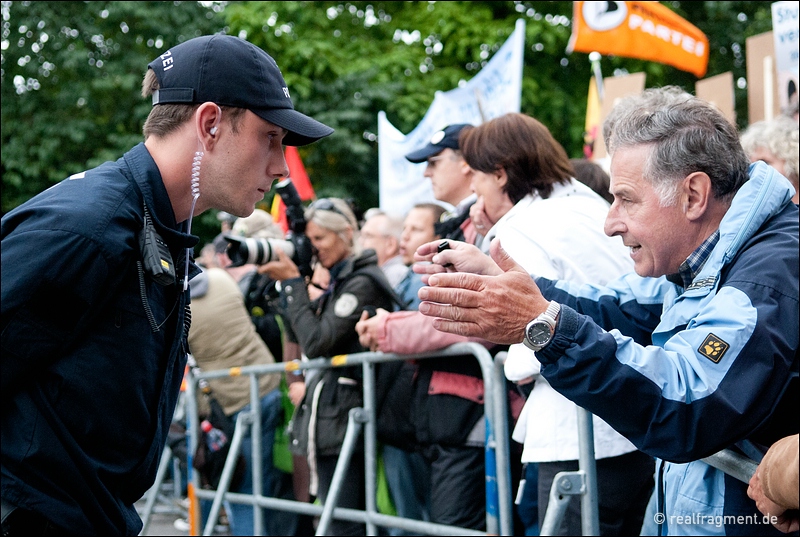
x,y
95,293
325,327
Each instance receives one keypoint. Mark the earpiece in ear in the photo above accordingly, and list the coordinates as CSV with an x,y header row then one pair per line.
x,y
213,130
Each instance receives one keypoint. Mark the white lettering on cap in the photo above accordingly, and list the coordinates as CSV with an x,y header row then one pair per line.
x,y
167,61
437,137
286,92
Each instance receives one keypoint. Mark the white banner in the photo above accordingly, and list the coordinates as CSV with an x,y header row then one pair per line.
x,y
785,32
494,91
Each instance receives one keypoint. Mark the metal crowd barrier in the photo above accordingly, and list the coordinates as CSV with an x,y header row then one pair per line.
x,y
499,518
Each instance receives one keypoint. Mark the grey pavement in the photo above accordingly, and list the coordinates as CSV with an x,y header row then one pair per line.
x,y
166,510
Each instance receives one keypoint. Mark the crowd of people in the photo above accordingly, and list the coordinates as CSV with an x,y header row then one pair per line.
x,y
662,297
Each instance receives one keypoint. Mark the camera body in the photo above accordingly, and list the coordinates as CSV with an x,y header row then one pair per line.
x,y
296,245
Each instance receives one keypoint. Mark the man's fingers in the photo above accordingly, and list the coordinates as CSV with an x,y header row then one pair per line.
x,y
465,329
503,260
458,280
450,313
426,250
462,298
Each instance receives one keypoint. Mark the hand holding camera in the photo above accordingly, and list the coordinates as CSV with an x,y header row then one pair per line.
x,y
281,268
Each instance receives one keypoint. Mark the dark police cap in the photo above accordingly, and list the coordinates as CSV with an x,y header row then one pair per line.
x,y
447,137
230,71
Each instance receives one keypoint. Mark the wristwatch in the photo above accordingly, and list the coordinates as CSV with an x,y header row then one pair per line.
x,y
540,331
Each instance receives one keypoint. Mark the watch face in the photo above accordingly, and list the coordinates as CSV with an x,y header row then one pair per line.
x,y
539,333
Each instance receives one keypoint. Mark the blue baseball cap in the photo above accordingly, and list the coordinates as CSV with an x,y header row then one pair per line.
x,y
447,137
230,71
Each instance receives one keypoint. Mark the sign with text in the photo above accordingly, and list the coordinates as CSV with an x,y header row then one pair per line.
x,y
786,34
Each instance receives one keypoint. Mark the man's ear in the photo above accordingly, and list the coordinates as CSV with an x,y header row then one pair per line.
x,y
395,242
697,194
207,121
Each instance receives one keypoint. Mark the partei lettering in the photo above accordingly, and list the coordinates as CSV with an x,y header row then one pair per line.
x,y
167,61
635,22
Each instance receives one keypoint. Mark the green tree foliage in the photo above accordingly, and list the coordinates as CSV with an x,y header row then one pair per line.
x,y
71,83
71,100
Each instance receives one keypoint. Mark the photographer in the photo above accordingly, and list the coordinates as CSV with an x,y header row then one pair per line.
x,y
325,327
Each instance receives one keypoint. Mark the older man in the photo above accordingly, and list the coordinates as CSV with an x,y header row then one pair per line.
x,y
697,351
381,232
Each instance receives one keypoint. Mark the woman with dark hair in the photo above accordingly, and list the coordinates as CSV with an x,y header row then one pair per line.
x,y
325,327
552,225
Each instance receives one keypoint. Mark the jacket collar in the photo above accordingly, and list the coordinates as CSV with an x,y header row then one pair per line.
x,y
762,197
150,184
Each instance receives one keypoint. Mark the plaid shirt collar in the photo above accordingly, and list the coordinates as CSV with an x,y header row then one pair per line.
x,y
690,268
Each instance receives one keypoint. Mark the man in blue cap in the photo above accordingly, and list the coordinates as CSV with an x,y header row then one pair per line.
x,y
451,179
95,294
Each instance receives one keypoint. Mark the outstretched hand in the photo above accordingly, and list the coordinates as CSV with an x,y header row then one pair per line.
x,y
457,257
493,307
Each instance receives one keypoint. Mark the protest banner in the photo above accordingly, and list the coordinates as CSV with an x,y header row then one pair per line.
x,y
494,91
786,35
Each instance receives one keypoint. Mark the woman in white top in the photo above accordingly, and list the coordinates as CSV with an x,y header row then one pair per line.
x,y
552,225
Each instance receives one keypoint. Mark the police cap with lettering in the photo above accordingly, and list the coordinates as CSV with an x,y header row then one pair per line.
x,y
447,137
230,71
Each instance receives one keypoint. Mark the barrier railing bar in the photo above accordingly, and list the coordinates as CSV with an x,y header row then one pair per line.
x,y
370,443
733,464
590,516
355,418
496,445
154,492
502,454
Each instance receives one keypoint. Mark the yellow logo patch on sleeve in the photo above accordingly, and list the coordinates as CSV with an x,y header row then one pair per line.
x,y
713,348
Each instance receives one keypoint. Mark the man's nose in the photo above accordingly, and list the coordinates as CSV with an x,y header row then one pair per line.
x,y
613,224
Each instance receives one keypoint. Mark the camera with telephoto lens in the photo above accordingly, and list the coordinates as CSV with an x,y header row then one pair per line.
x,y
296,245
244,251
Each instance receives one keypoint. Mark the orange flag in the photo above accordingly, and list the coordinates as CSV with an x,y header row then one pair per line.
x,y
301,182
644,30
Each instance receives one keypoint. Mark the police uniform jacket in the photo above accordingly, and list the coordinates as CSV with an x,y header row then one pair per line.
x,y
93,350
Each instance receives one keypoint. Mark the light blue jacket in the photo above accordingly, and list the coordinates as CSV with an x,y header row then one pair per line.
x,y
684,373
